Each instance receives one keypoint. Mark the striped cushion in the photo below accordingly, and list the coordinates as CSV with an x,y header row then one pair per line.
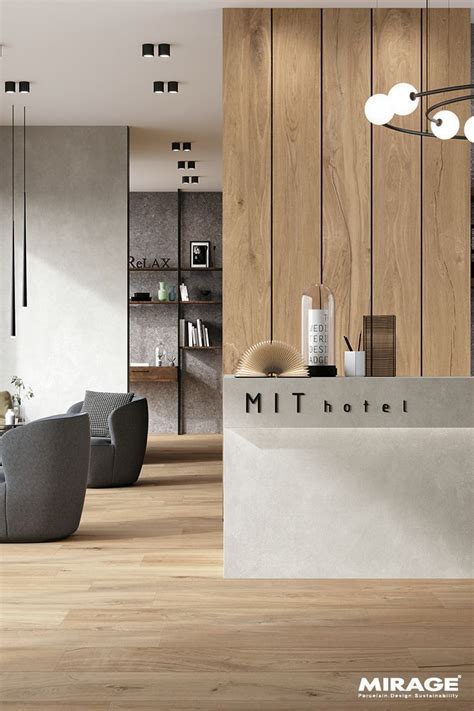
x,y
99,406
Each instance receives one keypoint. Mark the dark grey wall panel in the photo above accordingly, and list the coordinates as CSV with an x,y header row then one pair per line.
x,y
153,233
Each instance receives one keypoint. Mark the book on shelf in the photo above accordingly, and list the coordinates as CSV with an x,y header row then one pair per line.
x,y
182,330
194,335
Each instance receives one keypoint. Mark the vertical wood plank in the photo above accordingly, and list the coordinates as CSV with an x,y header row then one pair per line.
x,y
346,169
247,181
446,208
296,165
397,187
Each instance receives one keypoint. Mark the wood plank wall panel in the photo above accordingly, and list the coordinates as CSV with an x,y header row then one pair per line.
x,y
446,209
247,181
346,169
396,190
296,165
420,188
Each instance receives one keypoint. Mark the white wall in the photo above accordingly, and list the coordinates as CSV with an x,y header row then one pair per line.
x,y
73,335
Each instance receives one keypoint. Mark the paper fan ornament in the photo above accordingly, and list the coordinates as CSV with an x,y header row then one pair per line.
x,y
271,359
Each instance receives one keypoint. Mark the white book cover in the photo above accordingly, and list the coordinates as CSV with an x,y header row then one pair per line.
x,y
182,331
206,337
199,332
190,334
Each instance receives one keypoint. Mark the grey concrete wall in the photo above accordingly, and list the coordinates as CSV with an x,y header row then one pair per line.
x,y
153,232
73,335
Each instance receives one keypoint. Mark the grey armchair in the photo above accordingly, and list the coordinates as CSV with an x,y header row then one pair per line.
x,y
117,461
43,479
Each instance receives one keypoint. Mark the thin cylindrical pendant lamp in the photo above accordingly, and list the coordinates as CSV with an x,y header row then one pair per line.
x,y
13,286
25,256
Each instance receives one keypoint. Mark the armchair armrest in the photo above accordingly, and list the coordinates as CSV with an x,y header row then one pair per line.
x,y
76,408
128,427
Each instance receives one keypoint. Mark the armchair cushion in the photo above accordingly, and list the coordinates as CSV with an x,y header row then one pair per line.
x,y
99,406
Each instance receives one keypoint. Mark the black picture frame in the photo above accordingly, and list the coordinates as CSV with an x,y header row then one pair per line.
x,y
200,254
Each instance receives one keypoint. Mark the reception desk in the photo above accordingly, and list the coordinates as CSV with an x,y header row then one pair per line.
x,y
348,477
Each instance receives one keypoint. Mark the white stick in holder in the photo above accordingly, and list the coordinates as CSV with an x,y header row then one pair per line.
x,y
354,364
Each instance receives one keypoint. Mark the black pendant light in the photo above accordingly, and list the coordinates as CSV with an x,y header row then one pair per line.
x,y
25,263
164,50
24,87
172,87
148,50
13,290
10,87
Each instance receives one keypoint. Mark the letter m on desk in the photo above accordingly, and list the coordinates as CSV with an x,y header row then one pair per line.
x,y
255,401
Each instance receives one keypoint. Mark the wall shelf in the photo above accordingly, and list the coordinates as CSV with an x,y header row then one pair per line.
x,y
175,303
152,269
153,374
200,348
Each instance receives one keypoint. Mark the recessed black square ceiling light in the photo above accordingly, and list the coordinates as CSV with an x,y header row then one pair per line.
x,y
185,179
191,165
158,87
181,165
24,87
186,146
164,50
175,146
172,87
148,50
195,179
10,87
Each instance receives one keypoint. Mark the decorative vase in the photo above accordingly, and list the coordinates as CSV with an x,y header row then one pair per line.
x,y
162,292
172,294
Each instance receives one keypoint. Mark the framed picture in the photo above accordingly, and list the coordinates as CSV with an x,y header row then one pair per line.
x,y
200,253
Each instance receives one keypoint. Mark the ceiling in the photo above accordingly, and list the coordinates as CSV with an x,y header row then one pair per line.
x,y
83,58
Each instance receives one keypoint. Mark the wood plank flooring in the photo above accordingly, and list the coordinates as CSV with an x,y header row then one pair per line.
x,y
132,613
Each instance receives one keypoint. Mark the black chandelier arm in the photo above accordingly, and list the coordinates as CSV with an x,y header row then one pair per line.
x,y
447,102
442,90
425,134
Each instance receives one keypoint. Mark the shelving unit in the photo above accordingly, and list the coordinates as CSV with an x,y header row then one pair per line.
x,y
175,374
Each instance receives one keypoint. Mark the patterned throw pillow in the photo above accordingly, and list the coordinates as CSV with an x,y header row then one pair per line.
x,y
99,406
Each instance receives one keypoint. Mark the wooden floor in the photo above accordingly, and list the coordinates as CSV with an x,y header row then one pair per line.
x,y
132,613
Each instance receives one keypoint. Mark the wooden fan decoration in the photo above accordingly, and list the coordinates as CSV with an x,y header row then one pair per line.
x,y
271,359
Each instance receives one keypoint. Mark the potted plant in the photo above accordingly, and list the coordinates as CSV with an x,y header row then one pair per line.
x,y
21,393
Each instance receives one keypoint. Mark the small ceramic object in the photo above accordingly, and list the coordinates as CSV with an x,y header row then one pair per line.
x,y
172,294
162,292
354,364
10,417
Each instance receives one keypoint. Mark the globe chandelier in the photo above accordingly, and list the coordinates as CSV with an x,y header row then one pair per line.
x,y
403,99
